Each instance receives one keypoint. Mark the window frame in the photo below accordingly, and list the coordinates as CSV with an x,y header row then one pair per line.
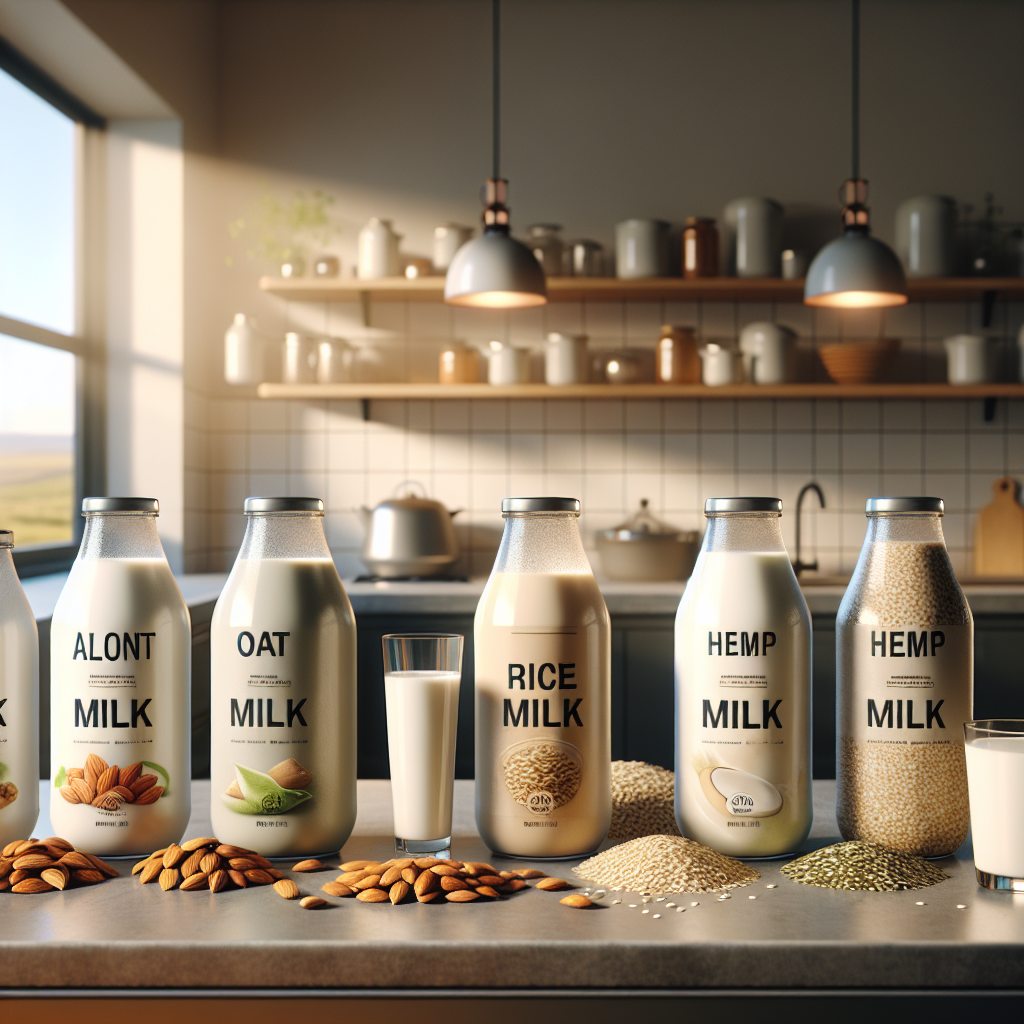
x,y
86,344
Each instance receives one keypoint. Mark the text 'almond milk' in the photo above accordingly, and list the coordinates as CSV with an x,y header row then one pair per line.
x,y
543,689
743,688
283,689
120,697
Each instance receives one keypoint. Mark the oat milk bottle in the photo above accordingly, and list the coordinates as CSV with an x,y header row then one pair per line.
x,y
120,675
283,689
743,688
905,685
19,703
543,689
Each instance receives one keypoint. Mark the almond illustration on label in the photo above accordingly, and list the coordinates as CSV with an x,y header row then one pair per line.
x,y
110,787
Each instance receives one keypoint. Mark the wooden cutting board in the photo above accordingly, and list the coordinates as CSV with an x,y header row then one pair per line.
x,y
999,533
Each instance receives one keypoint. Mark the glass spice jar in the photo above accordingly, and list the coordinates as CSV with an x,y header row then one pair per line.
x,y
700,247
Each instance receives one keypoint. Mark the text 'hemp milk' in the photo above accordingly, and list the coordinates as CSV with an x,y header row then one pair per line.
x,y
743,688
283,689
543,689
19,703
905,682
120,696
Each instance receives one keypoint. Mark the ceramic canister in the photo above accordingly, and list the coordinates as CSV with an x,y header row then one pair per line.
x,y
926,236
565,359
966,358
753,244
766,349
641,248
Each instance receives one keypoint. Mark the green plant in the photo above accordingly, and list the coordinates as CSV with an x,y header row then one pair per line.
x,y
281,231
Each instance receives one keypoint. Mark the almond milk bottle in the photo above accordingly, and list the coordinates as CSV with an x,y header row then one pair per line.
x,y
543,689
283,689
743,688
120,698
19,703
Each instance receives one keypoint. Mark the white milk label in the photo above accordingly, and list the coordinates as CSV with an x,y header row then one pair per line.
x,y
906,686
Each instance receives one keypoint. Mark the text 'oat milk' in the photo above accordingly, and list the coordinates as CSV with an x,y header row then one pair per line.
x,y
743,688
543,689
120,698
283,689
19,703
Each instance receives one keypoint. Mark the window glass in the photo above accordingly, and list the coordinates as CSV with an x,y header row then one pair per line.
x,y
37,442
37,209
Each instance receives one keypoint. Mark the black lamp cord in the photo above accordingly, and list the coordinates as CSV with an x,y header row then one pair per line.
x,y
855,90
496,81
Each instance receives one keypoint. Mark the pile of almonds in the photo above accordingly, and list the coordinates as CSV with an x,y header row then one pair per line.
x,y
101,785
206,863
45,865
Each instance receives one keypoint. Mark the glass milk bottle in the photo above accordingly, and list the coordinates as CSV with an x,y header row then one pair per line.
x,y
283,689
743,688
543,689
120,697
904,685
19,703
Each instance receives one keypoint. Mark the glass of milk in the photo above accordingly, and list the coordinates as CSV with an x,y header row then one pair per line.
x,y
422,674
995,781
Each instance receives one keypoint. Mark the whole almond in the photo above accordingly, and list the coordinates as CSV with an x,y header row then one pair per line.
x,y
70,795
194,882
32,885
200,843
369,882
530,873
95,764
124,793
427,882
192,863
372,896
274,873
353,876
5,883
85,792
312,902
429,897
219,881
61,844
11,848
209,862
486,890
29,846
107,780
450,884
169,878
238,878
286,888
480,867
490,879
173,856
227,852
148,796
507,875
101,865
74,859
514,885
140,865
76,773
392,875
258,876
129,774
337,889
87,876
425,862
57,877
444,869
462,896
6,866
576,900
20,875
398,892
309,865
355,865
151,871
241,863
401,863
471,882
143,782
261,862
552,884
33,862
410,874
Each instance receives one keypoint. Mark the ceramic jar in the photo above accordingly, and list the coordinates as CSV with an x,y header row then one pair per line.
x,y
966,358
718,365
378,250
641,249
753,228
766,350
565,359
508,364
926,236
448,240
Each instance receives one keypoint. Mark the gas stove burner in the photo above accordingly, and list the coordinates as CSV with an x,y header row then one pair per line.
x,y
411,579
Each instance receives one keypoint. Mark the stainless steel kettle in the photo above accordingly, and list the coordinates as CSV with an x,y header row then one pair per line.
x,y
409,535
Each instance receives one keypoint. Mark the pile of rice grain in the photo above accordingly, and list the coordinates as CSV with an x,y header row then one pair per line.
x,y
643,801
665,864
863,866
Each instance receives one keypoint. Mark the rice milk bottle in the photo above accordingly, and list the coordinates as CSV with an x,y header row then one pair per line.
x,y
283,689
120,697
904,685
743,688
19,703
543,689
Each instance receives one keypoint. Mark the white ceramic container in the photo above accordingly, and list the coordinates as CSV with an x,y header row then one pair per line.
x,y
378,250
565,359
967,358
766,350
508,364
641,248
718,365
926,236
299,356
753,237
243,352
448,240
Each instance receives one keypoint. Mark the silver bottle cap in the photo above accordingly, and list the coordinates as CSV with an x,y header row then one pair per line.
x,y
150,505
743,505
540,505
912,504
6,538
283,505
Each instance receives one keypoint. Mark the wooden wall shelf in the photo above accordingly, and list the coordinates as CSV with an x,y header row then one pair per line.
x,y
610,289
639,391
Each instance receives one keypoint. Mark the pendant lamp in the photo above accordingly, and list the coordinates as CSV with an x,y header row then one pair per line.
x,y
495,271
855,271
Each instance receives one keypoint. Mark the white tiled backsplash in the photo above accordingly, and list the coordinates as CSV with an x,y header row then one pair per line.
x,y
609,453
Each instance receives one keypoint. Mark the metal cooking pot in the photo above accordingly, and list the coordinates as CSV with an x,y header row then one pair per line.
x,y
643,548
409,535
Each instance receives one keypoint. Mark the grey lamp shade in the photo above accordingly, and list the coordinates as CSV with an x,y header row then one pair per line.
x,y
855,271
496,271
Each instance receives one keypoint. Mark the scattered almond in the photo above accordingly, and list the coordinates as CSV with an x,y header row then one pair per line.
x,y
138,867
56,877
309,865
529,873
427,882
87,877
552,884
399,891
372,896
173,856
392,875
410,874
337,889
312,902
576,900
354,865
194,882
238,878
151,871
287,889
368,882
514,885
451,884
462,896
32,885
241,863
258,876
209,862
219,880
486,890
169,878
444,869
192,863
200,843
274,873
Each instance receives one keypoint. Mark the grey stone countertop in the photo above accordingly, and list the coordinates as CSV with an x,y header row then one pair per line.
x,y
124,935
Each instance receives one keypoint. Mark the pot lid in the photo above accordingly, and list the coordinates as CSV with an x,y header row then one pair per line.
x,y
407,499
642,525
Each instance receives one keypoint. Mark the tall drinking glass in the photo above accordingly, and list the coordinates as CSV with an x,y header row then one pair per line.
x,y
422,673
995,782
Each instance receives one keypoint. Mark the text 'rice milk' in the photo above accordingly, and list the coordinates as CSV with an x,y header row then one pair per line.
x,y
283,689
120,697
543,689
19,703
743,688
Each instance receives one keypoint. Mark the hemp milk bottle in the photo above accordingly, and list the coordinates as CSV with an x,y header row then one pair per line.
x,y
743,688
120,697
905,685
543,689
19,703
283,689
